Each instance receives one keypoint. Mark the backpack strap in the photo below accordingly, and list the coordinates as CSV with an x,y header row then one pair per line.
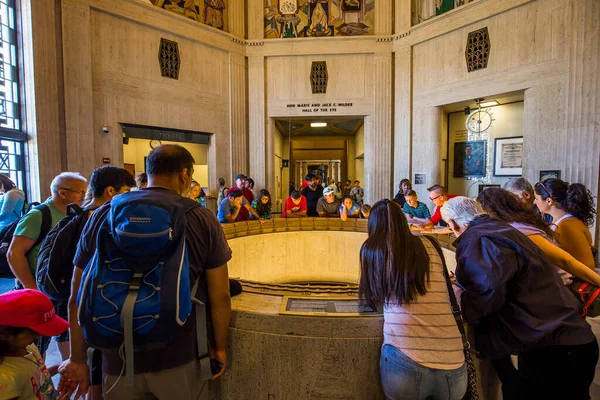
x,y
46,223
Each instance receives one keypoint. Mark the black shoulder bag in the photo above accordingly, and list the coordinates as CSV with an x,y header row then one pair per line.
x,y
471,393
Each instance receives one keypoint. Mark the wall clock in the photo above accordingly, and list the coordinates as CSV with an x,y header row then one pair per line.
x,y
479,121
154,143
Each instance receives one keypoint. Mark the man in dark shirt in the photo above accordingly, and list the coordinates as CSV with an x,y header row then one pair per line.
x,y
517,304
313,192
171,371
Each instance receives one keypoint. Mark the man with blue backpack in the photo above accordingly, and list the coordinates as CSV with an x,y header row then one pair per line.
x,y
148,267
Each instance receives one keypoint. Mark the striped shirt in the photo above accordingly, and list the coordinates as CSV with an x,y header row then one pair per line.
x,y
420,211
425,330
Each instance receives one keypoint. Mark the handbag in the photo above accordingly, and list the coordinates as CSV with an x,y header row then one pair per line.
x,y
588,295
471,393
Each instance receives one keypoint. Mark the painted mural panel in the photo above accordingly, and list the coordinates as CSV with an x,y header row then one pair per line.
x,y
209,12
425,9
314,18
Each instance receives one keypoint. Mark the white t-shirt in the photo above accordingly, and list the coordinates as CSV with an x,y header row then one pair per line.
x,y
26,377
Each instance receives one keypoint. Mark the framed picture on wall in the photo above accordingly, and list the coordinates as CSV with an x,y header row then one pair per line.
x,y
469,159
555,173
508,156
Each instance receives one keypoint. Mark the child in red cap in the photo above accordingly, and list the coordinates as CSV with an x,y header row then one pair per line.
x,y
25,315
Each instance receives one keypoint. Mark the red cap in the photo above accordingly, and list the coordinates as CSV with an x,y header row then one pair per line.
x,y
31,309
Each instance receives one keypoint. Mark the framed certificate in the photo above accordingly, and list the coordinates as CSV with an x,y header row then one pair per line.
x,y
508,156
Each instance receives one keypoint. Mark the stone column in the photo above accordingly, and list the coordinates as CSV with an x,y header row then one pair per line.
x,y
238,114
236,18
79,111
384,17
256,15
378,134
403,16
331,172
257,144
402,120
426,143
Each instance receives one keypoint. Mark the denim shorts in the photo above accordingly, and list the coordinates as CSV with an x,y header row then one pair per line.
x,y
404,379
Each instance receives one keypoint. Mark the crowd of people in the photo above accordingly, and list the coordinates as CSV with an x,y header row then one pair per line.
x,y
520,252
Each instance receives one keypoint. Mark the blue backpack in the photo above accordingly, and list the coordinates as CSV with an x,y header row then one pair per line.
x,y
135,291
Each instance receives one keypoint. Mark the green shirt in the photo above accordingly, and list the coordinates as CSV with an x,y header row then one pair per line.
x,y
30,226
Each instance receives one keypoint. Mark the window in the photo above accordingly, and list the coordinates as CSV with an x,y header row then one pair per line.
x,y
12,161
9,76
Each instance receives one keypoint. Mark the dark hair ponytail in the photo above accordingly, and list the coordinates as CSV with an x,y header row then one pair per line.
x,y
580,203
576,199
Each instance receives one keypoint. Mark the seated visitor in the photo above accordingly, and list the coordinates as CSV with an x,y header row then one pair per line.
x,y
231,206
313,192
414,208
422,354
357,193
195,192
349,209
403,188
365,211
328,205
294,206
12,201
347,188
141,180
517,304
521,188
438,195
240,184
26,315
504,206
262,205
572,210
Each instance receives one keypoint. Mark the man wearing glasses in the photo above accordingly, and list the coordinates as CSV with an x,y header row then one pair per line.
x,y
438,195
22,255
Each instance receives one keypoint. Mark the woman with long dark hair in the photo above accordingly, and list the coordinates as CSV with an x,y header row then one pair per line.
x,y
505,206
572,209
262,204
422,355
13,201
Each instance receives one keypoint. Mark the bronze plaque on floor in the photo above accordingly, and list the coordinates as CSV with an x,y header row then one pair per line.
x,y
326,307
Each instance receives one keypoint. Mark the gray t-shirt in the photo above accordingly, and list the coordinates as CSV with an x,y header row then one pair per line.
x,y
226,208
329,208
207,249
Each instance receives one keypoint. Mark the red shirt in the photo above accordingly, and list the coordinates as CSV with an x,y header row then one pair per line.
x,y
244,214
437,215
290,205
304,184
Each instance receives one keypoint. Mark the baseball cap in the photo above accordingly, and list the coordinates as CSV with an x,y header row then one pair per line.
x,y
327,191
240,176
31,309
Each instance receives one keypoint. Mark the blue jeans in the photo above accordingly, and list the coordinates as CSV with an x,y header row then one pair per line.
x,y
402,378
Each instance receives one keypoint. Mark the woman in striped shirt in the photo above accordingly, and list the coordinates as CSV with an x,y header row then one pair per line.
x,y
422,354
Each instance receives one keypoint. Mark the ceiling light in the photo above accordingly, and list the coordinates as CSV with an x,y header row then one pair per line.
x,y
489,103
318,124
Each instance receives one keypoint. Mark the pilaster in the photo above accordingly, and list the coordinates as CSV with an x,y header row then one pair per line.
x,y
237,18
256,106
238,114
384,17
402,115
378,134
256,14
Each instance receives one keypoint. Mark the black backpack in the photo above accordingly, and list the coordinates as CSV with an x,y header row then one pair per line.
x,y
7,233
55,260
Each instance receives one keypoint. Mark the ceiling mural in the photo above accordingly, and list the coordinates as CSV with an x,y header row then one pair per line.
x,y
314,18
209,12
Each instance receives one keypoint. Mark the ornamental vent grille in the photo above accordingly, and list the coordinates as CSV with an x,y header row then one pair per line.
x,y
478,50
168,57
318,77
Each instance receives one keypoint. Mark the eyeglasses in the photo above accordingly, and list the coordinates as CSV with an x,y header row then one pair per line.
x,y
79,192
436,197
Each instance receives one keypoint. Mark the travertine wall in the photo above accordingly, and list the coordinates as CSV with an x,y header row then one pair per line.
x,y
98,57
